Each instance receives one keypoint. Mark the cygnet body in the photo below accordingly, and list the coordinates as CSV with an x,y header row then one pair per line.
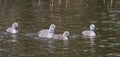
x,y
63,36
89,33
13,29
47,33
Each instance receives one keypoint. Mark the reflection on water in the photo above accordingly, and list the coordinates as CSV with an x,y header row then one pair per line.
x,y
73,16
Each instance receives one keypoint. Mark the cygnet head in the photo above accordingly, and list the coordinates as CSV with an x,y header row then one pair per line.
x,y
92,27
52,26
66,34
15,25
51,31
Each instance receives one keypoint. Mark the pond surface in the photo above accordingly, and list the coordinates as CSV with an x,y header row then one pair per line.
x,y
68,15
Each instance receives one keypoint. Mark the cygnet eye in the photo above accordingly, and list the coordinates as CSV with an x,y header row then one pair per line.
x,y
16,25
67,34
92,26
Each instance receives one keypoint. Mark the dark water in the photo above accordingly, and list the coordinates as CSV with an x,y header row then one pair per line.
x,y
71,15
